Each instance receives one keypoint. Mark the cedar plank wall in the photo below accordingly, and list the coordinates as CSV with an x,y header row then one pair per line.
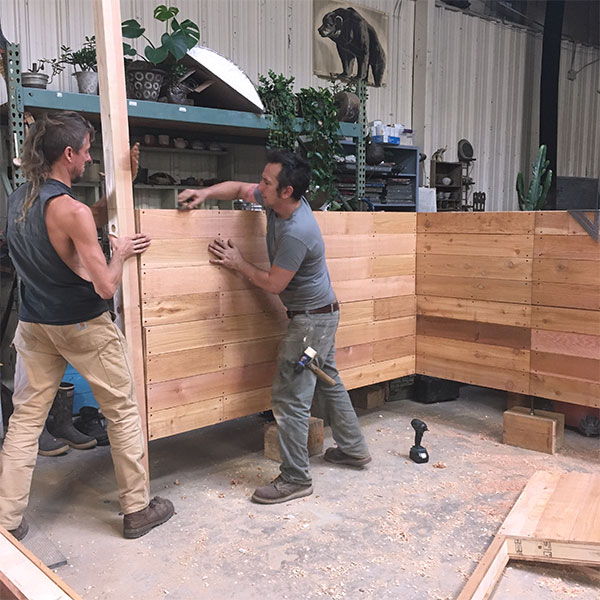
x,y
474,282
510,301
211,338
565,317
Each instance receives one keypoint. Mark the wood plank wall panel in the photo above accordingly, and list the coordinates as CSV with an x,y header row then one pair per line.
x,y
565,337
210,338
474,282
510,301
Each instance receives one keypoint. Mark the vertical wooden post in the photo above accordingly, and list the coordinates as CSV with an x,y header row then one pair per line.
x,y
423,71
119,190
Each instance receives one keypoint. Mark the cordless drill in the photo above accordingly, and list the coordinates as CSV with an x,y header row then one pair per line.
x,y
418,454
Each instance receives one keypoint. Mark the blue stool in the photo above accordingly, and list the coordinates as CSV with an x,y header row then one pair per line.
x,y
83,395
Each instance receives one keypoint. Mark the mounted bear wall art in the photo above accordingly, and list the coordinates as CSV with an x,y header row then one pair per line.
x,y
349,41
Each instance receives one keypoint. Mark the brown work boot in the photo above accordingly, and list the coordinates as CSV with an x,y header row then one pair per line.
x,y
335,455
139,523
21,531
281,491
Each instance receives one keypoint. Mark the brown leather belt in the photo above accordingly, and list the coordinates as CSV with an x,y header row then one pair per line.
x,y
328,308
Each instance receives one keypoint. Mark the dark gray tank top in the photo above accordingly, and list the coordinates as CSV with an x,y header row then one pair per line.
x,y
51,293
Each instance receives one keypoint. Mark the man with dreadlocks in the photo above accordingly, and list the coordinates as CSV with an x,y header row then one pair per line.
x,y
63,317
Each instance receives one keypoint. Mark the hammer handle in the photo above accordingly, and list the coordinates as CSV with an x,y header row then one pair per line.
x,y
321,374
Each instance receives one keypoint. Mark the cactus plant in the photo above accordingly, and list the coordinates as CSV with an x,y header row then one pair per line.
x,y
539,186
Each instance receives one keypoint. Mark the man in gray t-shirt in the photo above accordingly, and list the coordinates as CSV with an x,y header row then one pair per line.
x,y
299,275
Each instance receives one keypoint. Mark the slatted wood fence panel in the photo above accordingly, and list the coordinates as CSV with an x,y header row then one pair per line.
x,y
474,281
211,338
565,336
510,301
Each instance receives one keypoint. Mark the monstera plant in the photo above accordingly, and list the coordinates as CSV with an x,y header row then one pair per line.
x,y
146,75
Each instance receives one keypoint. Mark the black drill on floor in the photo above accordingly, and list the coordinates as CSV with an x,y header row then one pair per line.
x,y
417,453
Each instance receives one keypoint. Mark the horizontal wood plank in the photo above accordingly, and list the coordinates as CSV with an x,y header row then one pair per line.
x,y
570,320
483,311
180,308
571,344
248,302
557,222
563,365
493,334
393,265
564,270
251,352
172,224
476,244
513,223
501,379
500,290
576,247
392,222
354,356
349,246
566,295
344,269
510,359
352,313
394,243
384,350
186,363
565,389
394,307
370,289
177,419
196,334
158,283
486,267
246,403
344,223
191,390
377,371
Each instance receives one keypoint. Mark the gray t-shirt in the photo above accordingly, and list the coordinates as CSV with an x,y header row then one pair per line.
x,y
296,244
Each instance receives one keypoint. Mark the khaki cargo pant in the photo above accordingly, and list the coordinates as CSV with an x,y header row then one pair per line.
x,y
96,349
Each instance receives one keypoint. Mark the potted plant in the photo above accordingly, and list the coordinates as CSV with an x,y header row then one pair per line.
x,y
34,76
318,134
145,76
85,60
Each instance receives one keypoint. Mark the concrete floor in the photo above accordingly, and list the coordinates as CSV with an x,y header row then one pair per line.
x,y
394,530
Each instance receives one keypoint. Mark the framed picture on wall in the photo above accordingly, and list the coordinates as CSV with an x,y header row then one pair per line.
x,y
349,41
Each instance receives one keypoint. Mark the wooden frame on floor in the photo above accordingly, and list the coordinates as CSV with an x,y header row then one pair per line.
x,y
556,520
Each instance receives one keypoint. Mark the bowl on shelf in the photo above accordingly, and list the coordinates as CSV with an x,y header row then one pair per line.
x,y
446,181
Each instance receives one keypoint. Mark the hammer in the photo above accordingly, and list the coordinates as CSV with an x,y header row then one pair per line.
x,y
306,361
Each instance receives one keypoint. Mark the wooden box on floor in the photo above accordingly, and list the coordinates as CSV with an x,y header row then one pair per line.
x,y
370,396
542,431
315,439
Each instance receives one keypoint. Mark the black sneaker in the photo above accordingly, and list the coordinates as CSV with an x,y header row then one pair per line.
x,y
91,423
21,531
281,491
335,455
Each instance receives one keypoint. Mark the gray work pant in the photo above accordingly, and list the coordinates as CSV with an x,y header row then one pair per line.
x,y
292,396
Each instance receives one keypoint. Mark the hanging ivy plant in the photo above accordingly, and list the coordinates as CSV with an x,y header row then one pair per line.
x,y
320,129
277,94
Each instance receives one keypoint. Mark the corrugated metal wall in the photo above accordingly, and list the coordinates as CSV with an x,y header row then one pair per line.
x,y
486,73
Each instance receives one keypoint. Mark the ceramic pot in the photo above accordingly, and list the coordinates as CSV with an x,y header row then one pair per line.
x,y
87,82
348,107
144,81
34,80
